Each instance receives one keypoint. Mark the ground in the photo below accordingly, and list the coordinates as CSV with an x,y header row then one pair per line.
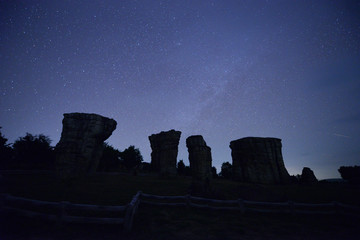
x,y
180,222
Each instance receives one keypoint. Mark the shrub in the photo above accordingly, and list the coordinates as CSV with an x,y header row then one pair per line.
x,y
34,152
351,174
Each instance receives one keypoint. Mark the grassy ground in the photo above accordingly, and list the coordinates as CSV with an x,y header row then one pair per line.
x,y
175,223
119,189
97,189
179,223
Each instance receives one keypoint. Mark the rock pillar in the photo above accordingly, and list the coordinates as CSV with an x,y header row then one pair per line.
x,y
81,144
200,163
258,160
164,147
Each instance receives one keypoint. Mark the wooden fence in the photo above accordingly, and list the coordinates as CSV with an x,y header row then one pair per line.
x,y
66,211
71,212
251,206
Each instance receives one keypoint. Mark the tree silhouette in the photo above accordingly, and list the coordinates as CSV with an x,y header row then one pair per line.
x,y
3,140
226,170
34,152
5,152
110,160
131,157
214,172
181,168
352,174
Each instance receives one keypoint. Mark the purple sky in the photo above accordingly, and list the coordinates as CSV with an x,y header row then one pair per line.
x,y
221,69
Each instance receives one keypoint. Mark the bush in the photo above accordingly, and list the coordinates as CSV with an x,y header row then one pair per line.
x,y
110,160
6,153
214,172
181,168
131,157
34,152
351,174
226,170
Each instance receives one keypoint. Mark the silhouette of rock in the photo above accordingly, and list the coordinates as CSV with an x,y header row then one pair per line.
x,y
308,176
258,160
81,145
200,162
164,147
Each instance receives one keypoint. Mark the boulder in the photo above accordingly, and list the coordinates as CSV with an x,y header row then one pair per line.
x,y
308,176
258,160
81,144
164,147
200,162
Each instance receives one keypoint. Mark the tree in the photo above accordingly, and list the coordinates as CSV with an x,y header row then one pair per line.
x,y
34,152
110,160
181,168
214,172
295,178
3,140
131,157
226,170
5,152
145,167
351,174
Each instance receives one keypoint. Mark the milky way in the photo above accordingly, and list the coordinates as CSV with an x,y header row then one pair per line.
x,y
222,69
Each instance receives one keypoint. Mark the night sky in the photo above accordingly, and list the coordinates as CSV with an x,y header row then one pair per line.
x,y
221,69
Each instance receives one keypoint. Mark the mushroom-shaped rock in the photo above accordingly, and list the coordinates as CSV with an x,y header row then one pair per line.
x,y
258,160
81,144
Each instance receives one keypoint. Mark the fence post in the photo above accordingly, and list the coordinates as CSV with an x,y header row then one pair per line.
x,y
241,205
138,200
291,207
127,224
130,212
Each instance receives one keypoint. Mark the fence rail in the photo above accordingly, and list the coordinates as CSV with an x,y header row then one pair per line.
x,y
251,206
60,211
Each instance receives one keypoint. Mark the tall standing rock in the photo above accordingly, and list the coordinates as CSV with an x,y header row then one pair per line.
x,y
81,144
200,162
164,147
258,160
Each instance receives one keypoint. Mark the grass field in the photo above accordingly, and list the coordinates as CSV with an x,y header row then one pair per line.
x,y
161,223
119,189
179,223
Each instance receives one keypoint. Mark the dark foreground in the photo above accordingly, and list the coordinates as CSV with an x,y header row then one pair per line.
x,y
182,223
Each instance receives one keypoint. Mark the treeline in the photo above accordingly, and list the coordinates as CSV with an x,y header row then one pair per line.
x,y
114,160
351,174
34,152
28,152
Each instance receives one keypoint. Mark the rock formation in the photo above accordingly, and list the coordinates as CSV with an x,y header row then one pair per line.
x,y
307,176
258,160
200,162
164,147
81,145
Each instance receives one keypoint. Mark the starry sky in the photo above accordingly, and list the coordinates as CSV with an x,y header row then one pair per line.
x,y
222,69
